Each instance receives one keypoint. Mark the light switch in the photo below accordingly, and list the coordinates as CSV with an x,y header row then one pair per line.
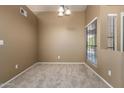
x,y
1,42
58,57
16,66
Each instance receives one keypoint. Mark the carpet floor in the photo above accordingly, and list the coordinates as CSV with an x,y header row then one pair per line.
x,y
57,76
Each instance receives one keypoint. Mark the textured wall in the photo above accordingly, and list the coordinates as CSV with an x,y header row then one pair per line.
x,y
104,10
57,36
106,59
61,36
20,37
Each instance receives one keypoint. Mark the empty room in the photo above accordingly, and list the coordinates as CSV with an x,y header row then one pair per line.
x,y
61,46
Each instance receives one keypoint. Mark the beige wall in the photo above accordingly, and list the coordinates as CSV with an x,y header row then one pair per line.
x,y
104,10
61,36
110,60
91,12
57,36
106,59
20,37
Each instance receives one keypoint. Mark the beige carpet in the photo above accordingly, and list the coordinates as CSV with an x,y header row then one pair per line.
x,y
57,76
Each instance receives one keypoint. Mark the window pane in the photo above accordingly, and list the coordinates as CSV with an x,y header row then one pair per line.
x,y
111,32
91,43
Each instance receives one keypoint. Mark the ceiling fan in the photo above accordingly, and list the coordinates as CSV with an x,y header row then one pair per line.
x,y
64,11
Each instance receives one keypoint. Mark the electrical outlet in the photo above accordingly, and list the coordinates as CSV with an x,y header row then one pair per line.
x,y
109,73
16,66
58,57
1,42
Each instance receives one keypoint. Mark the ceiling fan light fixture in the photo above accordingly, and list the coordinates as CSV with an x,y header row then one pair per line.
x,y
67,11
64,11
60,14
61,9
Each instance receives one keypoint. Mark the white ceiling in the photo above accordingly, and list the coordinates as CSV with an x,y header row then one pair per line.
x,y
42,8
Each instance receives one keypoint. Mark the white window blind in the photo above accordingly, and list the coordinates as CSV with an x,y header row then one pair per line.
x,y
111,25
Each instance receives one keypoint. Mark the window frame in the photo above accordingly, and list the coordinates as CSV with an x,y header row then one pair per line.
x,y
86,27
114,32
122,31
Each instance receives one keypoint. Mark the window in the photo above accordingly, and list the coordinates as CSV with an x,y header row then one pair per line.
x,y
91,42
111,31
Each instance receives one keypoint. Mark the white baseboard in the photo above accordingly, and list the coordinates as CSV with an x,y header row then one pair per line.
x,y
55,63
17,75
98,75
36,64
60,63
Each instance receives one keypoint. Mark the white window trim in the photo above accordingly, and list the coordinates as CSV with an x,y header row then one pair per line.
x,y
121,34
115,35
112,14
91,21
